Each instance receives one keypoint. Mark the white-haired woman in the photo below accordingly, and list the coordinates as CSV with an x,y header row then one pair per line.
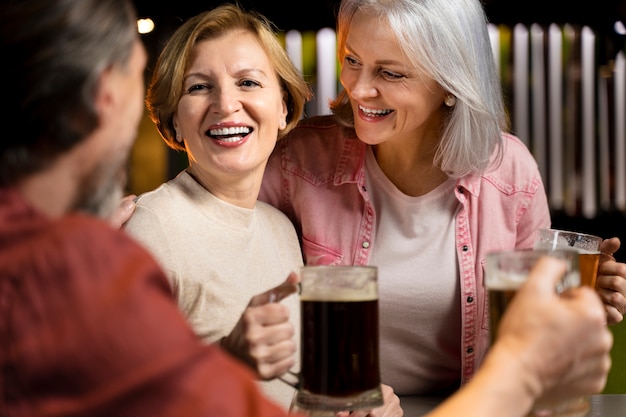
x,y
415,173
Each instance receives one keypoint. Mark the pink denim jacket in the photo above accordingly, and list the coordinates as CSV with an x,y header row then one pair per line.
x,y
316,176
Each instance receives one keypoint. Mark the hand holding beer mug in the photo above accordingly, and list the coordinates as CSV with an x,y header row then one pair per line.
x,y
588,247
340,367
505,272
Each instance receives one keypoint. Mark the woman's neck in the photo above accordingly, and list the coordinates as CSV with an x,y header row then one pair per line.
x,y
410,166
242,192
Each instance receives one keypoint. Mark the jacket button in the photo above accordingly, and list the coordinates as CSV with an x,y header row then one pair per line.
x,y
470,299
465,248
365,245
470,349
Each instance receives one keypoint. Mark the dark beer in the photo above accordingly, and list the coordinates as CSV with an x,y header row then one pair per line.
x,y
499,299
339,347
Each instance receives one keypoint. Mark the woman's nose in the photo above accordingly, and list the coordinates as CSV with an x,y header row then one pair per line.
x,y
225,101
363,86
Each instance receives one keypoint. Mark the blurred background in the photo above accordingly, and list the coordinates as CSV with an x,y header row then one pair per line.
x,y
563,74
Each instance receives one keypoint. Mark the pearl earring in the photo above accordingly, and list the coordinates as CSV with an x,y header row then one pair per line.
x,y
283,124
450,100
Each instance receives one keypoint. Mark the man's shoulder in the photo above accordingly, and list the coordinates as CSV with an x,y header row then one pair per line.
x,y
92,235
75,247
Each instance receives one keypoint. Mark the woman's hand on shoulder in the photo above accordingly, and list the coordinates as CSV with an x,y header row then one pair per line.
x,y
123,212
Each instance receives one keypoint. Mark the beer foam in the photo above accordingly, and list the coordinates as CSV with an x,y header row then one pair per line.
x,y
587,252
501,280
321,293
338,283
511,281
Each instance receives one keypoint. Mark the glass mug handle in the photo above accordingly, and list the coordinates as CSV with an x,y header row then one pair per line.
x,y
291,374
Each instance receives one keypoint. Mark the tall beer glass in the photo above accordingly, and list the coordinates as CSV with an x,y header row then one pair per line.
x,y
588,247
340,367
505,272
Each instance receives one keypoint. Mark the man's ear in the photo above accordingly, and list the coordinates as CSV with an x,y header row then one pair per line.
x,y
106,92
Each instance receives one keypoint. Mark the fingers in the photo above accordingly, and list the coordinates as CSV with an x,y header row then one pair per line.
x,y
613,268
545,275
611,286
123,212
588,304
589,373
267,325
608,247
275,360
538,325
264,336
278,293
264,339
612,290
613,315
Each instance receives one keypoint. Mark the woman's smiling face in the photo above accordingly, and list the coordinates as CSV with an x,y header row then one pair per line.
x,y
390,98
231,108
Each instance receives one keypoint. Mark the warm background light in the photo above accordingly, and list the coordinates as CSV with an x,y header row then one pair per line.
x,y
145,26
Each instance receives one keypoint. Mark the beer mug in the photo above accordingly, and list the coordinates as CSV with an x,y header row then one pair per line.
x,y
588,247
339,349
505,272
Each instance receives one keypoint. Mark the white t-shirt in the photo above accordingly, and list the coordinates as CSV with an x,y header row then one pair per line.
x,y
217,256
419,288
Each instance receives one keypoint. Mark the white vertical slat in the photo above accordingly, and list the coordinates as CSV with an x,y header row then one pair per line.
x,y
537,65
521,121
604,173
293,46
555,103
620,131
572,80
588,185
326,41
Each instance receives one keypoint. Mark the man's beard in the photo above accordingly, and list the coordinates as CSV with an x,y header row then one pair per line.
x,y
101,192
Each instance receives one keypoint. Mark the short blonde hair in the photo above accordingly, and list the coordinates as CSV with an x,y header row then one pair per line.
x,y
166,85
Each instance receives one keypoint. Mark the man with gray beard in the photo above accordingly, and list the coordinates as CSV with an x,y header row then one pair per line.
x,y
88,326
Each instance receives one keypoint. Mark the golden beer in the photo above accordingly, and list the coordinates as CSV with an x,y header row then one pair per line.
x,y
588,246
588,263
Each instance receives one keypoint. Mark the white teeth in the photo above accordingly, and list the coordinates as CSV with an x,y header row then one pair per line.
x,y
231,139
374,112
240,130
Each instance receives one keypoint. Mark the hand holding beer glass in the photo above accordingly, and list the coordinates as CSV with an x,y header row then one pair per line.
x,y
340,367
505,272
588,247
